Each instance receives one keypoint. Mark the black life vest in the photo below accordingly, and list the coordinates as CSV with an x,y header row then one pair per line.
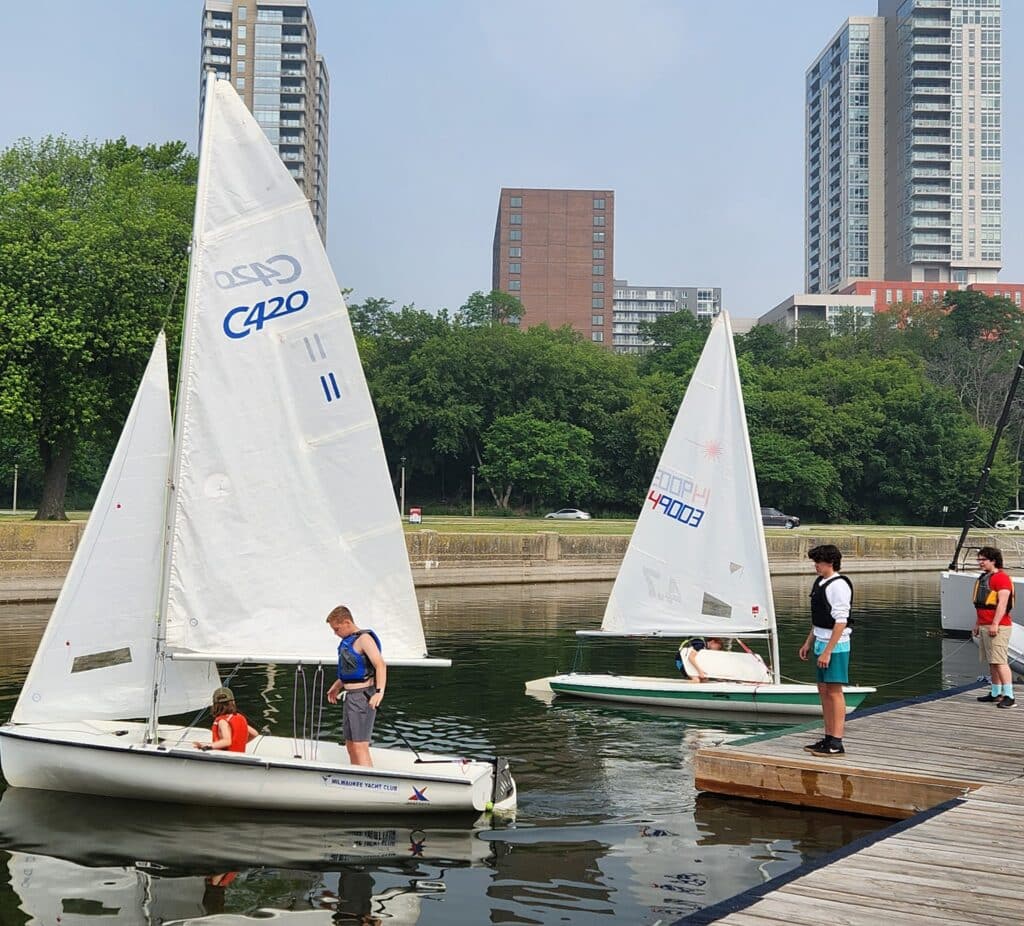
x,y
821,610
353,666
986,598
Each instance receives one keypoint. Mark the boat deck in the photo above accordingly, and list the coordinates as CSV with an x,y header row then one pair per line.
x,y
900,759
955,766
962,862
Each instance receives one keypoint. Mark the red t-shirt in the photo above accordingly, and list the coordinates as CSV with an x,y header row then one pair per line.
x,y
997,581
239,731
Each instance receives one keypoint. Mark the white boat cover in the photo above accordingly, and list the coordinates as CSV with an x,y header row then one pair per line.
x,y
95,660
697,561
283,506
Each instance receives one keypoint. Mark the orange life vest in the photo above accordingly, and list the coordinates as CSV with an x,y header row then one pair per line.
x,y
239,731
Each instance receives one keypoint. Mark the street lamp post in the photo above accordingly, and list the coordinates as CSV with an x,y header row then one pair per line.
x,y
472,491
402,490
14,500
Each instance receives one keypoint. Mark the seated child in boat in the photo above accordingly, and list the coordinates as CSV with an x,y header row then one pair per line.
x,y
230,729
687,661
703,660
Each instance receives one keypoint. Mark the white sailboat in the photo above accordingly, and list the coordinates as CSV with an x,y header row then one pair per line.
x,y
230,543
697,564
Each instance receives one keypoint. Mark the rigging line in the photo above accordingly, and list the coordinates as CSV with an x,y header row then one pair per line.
x,y
183,272
317,716
295,701
897,681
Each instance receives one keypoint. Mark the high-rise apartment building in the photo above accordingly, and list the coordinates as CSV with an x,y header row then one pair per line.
x,y
944,164
635,304
268,51
904,147
845,155
553,249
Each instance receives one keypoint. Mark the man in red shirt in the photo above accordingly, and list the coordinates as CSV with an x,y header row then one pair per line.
x,y
993,601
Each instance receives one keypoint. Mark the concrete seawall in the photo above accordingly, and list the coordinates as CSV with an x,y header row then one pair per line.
x,y
34,557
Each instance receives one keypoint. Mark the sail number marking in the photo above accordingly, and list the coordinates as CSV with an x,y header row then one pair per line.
x,y
676,509
243,319
264,272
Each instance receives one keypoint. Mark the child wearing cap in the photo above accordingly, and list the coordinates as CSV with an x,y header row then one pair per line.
x,y
231,731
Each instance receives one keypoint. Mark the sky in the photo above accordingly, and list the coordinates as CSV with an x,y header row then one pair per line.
x,y
692,112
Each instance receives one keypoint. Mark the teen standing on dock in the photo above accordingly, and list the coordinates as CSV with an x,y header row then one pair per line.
x,y
831,600
993,600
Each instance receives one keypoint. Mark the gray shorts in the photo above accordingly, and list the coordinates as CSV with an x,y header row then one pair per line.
x,y
358,716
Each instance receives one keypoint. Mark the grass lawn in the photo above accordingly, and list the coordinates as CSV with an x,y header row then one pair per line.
x,y
453,524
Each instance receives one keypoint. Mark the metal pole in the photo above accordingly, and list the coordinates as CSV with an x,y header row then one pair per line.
x,y
402,490
472,491
979,489
14,505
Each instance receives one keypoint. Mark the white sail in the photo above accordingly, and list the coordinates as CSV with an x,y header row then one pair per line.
x,y
95,660
282,506
697,561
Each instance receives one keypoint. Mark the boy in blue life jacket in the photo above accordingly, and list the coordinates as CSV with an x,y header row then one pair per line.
x,y
363,676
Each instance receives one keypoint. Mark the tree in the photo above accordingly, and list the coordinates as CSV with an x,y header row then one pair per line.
x,y
93,245
549,460
494,308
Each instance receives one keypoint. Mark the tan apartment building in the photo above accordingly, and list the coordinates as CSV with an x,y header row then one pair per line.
x,y
553,250
268,51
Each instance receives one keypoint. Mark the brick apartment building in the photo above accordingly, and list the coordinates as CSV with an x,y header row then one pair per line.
x,y
553,250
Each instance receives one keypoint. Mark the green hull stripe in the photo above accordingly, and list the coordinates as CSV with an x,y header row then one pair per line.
x,y
762,699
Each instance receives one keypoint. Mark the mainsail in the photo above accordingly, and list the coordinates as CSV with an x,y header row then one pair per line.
x,y
697,561
282,505
95,660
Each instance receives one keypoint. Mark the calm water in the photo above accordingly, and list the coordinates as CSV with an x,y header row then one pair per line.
x,y
609,824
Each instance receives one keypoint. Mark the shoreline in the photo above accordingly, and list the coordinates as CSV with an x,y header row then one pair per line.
x,y
35,557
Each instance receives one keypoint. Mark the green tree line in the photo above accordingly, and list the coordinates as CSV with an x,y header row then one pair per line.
x,y
885,422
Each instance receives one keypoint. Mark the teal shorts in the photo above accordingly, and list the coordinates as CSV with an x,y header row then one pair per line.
x,y
838,671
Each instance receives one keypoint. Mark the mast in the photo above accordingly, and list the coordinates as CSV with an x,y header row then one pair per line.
x,y
748,460
986,470
184,363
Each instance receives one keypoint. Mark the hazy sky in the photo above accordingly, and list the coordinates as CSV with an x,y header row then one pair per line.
x,y
691,111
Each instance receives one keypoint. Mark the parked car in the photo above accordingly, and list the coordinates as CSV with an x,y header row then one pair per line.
x,y
1011,521
772,517
569,514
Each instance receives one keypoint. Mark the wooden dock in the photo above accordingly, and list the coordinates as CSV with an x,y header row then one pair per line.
x,y
900,759
962,862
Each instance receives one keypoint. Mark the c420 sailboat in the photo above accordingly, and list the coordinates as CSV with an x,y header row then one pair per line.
x,y
230,540
697,564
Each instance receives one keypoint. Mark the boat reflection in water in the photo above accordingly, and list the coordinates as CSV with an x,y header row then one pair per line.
x,y
74,857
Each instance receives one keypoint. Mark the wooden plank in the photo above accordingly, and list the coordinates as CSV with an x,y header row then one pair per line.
x,y
815,911
832,788
943,906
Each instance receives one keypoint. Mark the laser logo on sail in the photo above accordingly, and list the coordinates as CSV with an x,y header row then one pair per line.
x,y
243,319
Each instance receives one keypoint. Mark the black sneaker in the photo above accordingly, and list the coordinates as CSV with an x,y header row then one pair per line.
x,y
989,698
830,748
811,747
1007,702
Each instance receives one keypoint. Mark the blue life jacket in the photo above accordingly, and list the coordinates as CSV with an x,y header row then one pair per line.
x,y
353,666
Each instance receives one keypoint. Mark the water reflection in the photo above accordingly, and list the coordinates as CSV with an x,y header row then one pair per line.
x,y
609,827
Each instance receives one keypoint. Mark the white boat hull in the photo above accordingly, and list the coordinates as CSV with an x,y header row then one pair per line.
x,y
737,697
956,592
111,759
